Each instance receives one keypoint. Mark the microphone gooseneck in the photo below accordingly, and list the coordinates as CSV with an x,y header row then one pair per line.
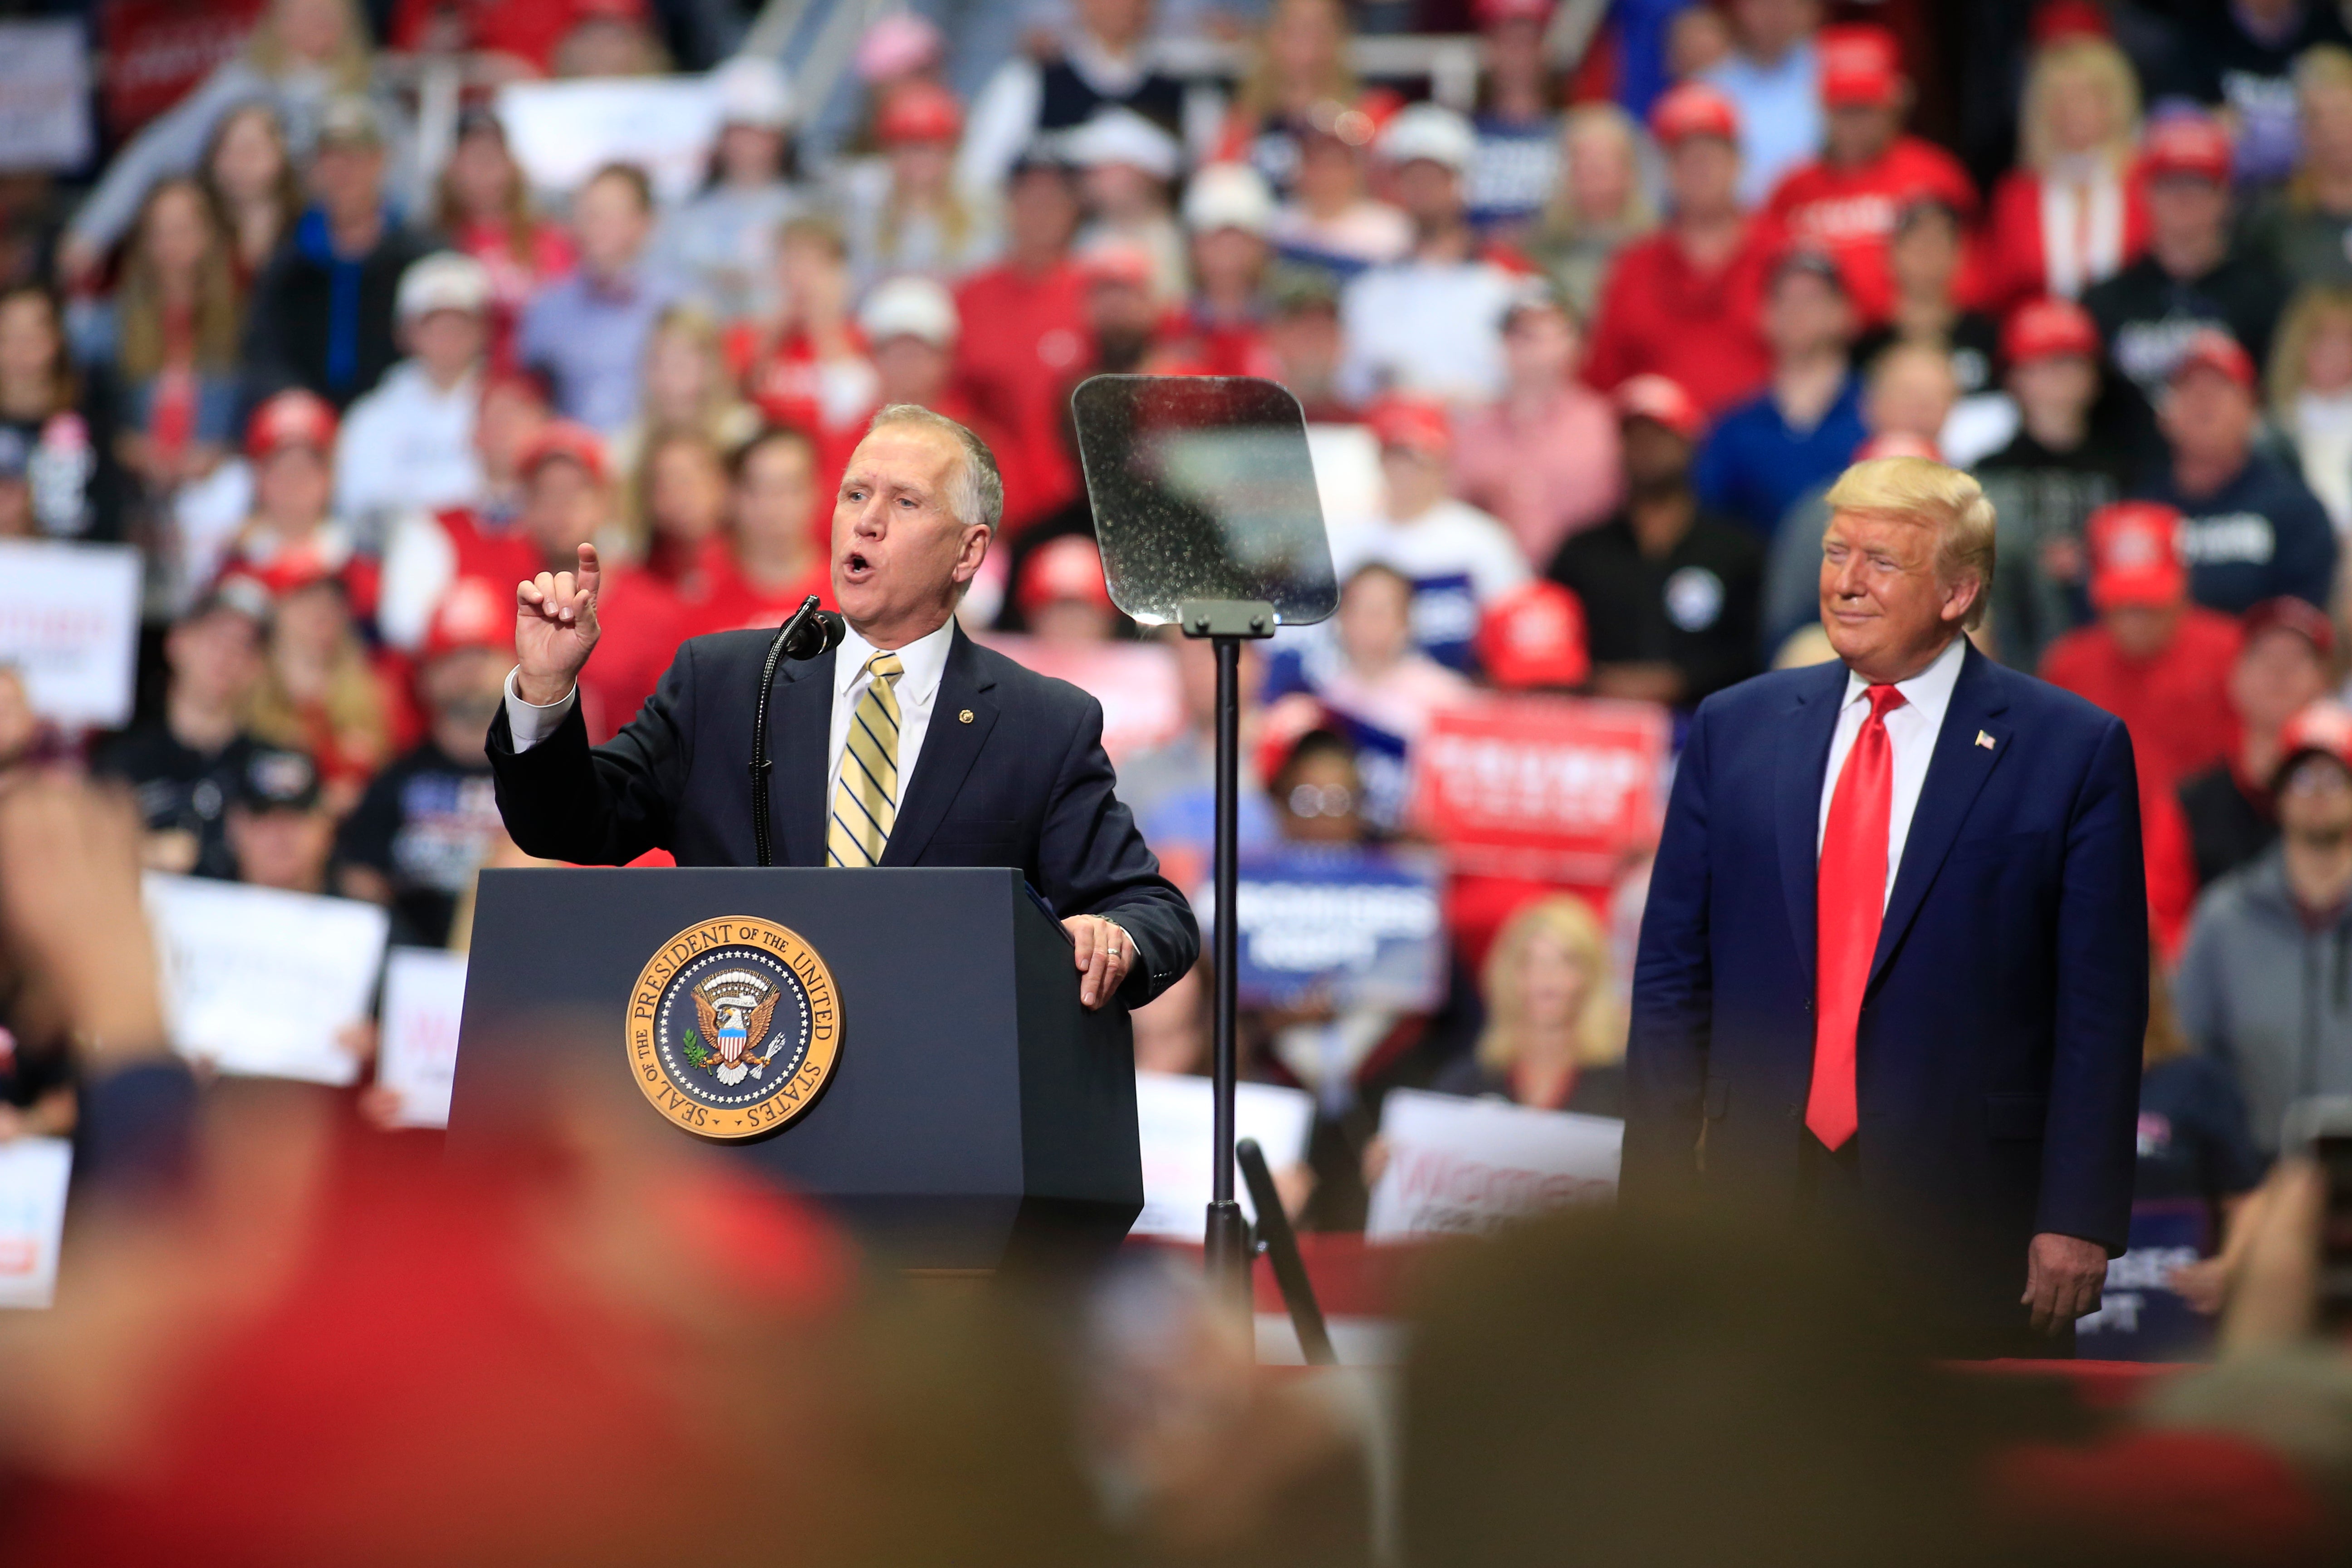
x,y
808,633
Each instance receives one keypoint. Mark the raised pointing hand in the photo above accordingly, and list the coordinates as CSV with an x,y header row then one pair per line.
x,y
555,629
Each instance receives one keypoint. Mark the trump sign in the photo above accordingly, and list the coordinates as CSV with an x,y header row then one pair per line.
x,y
1554,787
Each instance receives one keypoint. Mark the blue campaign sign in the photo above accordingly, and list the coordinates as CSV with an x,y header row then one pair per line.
x,y
1364,927
2140,1317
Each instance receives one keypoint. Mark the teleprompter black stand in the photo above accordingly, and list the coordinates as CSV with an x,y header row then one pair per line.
x,y
1226,623
1204,502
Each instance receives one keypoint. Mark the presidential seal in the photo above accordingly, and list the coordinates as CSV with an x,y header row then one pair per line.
x,y
733,1027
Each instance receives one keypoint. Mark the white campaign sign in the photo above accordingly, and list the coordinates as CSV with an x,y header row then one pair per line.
x,y
44,96
70,620
33,1176
260,982
563,131
416,1053
1460,1166
1173,1114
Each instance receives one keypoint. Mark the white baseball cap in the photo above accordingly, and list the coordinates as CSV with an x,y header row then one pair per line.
x,y
444,281
1433,131
909,307
751,90
1123,136
1228,195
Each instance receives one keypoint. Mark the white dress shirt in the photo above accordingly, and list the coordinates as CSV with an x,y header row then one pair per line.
x,y
1911,732
925,660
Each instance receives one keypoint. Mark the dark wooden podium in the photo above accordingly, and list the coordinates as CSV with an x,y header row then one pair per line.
x,y
976,1114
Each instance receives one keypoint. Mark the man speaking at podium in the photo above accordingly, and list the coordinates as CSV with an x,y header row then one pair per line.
x,y
1893,970
907,745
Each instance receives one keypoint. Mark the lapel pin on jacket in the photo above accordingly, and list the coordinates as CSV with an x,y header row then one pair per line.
x,y
964,717
1984,740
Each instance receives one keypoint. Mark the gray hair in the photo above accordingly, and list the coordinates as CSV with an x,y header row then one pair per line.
x,y
976,491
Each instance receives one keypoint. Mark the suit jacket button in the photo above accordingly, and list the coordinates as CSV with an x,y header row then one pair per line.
x,y
964,717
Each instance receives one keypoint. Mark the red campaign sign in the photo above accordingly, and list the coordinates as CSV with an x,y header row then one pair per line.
x,y
1141,695
1562,788
155,52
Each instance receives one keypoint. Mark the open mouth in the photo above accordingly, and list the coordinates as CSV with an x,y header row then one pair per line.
x,y
856,566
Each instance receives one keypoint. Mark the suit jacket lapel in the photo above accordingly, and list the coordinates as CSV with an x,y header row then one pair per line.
x,y
950,748
1956,770
800,738
1804,755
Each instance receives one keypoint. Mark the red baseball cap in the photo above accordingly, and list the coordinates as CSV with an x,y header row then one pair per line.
x,y
918,112
2287,612
1114,258
1067,568
294,418
2135,556
1534,635
2061,19
2324,727
2210,348
1416,424
1693,109
1489,13
568,440
2045,328
1897,444
1861,66
2186,142
473,614
1663,400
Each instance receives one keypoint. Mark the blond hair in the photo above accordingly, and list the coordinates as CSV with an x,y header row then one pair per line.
x,y
1569,921
1931,493
2323,68
2311,308
353,65
1259,95
1561,221
2109,71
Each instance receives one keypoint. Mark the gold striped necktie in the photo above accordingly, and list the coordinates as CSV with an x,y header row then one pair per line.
x,y
865,801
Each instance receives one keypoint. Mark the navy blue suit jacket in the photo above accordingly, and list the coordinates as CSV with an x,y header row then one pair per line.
x,y
1998,1055
1023,784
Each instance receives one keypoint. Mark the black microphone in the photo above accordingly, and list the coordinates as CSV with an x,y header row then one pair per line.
x,y
812,631
808,634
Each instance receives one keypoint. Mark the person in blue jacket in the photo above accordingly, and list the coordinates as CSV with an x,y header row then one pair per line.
x,y
2253,530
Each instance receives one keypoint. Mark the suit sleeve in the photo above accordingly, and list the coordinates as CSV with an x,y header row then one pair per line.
x,y
1091,859
1674,994
603,806
2087,1150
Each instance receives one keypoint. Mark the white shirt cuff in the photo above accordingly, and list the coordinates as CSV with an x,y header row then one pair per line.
x,y
530,722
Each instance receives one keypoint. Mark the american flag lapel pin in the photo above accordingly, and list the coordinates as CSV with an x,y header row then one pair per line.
x,y
1984,740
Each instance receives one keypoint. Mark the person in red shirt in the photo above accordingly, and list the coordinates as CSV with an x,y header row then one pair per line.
x,y
567,503
811,367
1026,338
1848,200
770,563
2152,659
485,208
912,326
2072,213
429,550
1222,332
1686,302
292,538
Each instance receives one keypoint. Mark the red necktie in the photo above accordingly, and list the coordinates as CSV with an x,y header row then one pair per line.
x,y
1852,898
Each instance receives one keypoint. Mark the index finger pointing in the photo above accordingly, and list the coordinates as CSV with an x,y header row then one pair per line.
x,y
590,572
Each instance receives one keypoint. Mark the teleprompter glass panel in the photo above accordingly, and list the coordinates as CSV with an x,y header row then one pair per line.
x,y
1203,489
